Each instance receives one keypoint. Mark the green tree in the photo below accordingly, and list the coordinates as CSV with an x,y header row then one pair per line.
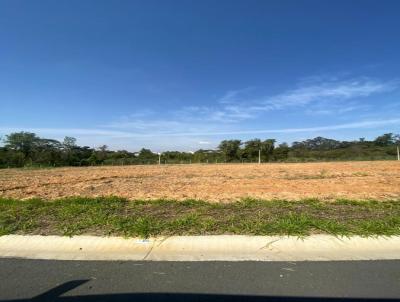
x,y
24,142
386,139
251,149
267,149
281,153
146,156
48,152
230,149
70,154
69,142
102,153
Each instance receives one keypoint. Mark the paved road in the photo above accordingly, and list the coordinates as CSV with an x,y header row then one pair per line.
x,y
185,281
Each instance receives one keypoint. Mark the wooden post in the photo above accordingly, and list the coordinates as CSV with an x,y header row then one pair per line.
x,y
398,153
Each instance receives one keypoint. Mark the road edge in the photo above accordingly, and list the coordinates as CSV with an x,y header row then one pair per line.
x,y
201,248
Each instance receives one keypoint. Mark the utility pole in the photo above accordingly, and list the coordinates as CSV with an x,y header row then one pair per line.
x,y
259,156
398,153
159,158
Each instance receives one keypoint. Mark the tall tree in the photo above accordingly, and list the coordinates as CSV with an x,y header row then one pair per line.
x,y
70,151
251,149
69,142
267,148
24,142
230,149
386,139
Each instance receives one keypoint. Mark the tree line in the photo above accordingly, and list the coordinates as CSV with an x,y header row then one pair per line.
x,y
25,149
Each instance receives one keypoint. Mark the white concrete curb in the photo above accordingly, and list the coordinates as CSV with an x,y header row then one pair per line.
x,y
201,248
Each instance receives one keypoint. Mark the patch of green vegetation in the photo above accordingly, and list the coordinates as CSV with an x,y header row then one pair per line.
x,y
119,216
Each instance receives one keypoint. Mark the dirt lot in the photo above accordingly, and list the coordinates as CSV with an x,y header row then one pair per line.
x,y
224,182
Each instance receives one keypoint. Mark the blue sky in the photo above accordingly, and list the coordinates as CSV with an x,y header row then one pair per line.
x,y
183,75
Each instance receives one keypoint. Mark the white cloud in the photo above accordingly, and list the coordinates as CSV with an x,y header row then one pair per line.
x,y
337,108
68,131
316,96
335,90
320,92
120,134
354,125
147,125
232,96
231,113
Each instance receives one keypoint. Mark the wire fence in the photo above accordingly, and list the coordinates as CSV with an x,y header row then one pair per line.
x,y
155,162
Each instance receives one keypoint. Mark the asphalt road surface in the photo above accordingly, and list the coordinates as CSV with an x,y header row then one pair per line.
x,y
45,280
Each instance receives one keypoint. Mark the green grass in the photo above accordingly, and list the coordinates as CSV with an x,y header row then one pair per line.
x,y
122,217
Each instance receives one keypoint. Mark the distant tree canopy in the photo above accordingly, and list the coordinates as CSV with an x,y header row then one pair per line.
x,y
387,139
255,147
23,142
318,143
230,149
27,149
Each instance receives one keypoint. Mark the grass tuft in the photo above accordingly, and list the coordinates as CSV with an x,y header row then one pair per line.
x,y
249,216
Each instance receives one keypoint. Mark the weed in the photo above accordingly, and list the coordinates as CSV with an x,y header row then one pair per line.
x,y
118,216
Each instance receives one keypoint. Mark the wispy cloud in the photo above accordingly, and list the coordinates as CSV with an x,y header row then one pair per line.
x,y
336,108
334,95
317,95
68,131
239,111
329,91
355,125
310,93
121,134
232,96
148,125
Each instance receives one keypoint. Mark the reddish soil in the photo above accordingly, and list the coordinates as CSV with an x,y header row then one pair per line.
x,y
213,182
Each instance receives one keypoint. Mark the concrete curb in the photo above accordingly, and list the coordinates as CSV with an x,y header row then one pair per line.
x,y
201,248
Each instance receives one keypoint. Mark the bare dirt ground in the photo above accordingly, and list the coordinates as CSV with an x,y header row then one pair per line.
x,y
223,182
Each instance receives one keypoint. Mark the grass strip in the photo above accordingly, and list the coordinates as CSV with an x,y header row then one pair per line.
x,y
122,217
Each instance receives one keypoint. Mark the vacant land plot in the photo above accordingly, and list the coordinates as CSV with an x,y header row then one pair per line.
x,y
223,182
